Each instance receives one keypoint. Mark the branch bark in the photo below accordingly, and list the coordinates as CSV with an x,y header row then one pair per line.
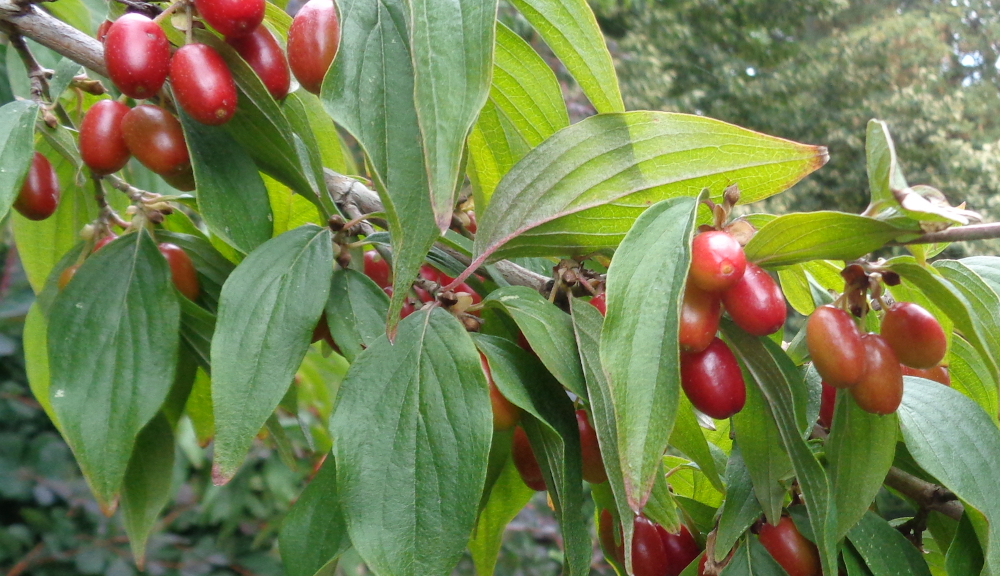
x,y
959,234
925,494
32,22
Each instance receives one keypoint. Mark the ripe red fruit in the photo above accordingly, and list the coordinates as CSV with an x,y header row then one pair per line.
x,y
377,268
827,402
66,275
914,335
472,227
701,564
712,380
590,450
834,344
262,53
102,146
39,195
881,388
505,414
232,18
137,55
156,139
601,303
938,373
717,261
102,31
313,39
606,529
525,462
648,555
790,549
756,303
681,550
203,85
103,242
699,322
181,269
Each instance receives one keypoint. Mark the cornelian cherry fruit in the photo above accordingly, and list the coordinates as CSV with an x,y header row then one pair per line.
x,y
313,39
505,414
377,268
202,84
756,303
600,302
232,18
262,53
156,139
717,261
681,549
834,344
102,31
137,55
590,450
914,335
606,529
39,195
700,313
648,555
827,402
103,242
880,390
790,549
937,374
66,275
181,269
102,145
712,380
525,462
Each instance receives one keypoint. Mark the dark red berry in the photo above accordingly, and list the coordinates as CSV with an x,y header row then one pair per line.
x,y
232,18
600,302
755,303
156,139
39,195
313,39
712,380
137,55
182,180
834,344
377,268
717,261
202,84
648,556
262,53
790,549
103,242
472,227
606,530
525,462
505,414
102,145
827,402
700,312
880,390
590,450
181,270
914,335
937,374
681,550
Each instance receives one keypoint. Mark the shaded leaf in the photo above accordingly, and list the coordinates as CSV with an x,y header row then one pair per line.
x,y
147,482
741,508
355,311
17,126
764,455
314,534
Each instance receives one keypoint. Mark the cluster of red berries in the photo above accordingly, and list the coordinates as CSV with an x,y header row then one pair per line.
x,y
182,270
655,552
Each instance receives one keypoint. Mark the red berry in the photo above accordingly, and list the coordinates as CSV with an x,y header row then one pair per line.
x,y
790,549
102,146
681,550
39,195
232,18
914,335
937,374
755,303
827,402
313,39
156,139
377,268
181,269
66,275
881,388
422,295
600,302
102,31
712,380
648,555
606,528
262,53
137,55
103,242
699,322
717,261
834,344
505,414
525,462
472,227
407,308
202,84
590,450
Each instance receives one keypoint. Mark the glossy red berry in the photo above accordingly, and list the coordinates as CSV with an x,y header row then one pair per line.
x,y
880,390
181,269
606,530
590,450
914,335
377,268
827,402
681,550
137,55
103,242
717,261
232,18
505,414
39,195
203,85
790,549
102,31
600,302
756,303
472,227
156,139
937,374
700,313
102,145
66,275
648,556
313,39
262,53
834,344
525,462
712,380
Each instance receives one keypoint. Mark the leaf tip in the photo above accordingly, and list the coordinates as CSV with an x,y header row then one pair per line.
x,y
108,507
220,478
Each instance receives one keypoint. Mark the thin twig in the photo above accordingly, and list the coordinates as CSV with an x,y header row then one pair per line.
x,y
925,494
36,74
957,234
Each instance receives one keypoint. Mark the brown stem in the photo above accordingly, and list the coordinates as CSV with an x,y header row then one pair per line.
x,y
33,22
958,234
36,74
925,494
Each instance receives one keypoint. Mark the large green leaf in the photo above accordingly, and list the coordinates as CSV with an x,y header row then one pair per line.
x,y
369,91
988,268
507,498
639,350
885,550
965,554
883,171
412,429
113,338
751,559
741,508
147,482
582,188
951,438
355,311
688,438
971,376
268,309
982,300
17,126
571,31
34,341
314,534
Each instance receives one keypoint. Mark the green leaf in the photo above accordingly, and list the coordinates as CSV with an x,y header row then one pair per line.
x,y
859,454
741,508
112,355
571,31
688,438
197,330
269,307
983,302
63,75
751,559
965,555
885,550
988,268
146,489
17,126
971,376
961,452
796,238
36,359
355,311
547,329
582,188
507,498
314,534
883,171
332,152
231,196
379,69
199,408
412,428
660,507
212,267
639,339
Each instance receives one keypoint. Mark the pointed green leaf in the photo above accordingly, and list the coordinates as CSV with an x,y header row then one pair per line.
x,y
17,127
982,300
147,482
199,407
883,171
988,268
355,312
269,307
885,550
112,355
507,498
688,438
965,554
796,238
741,508
314,533
764,455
